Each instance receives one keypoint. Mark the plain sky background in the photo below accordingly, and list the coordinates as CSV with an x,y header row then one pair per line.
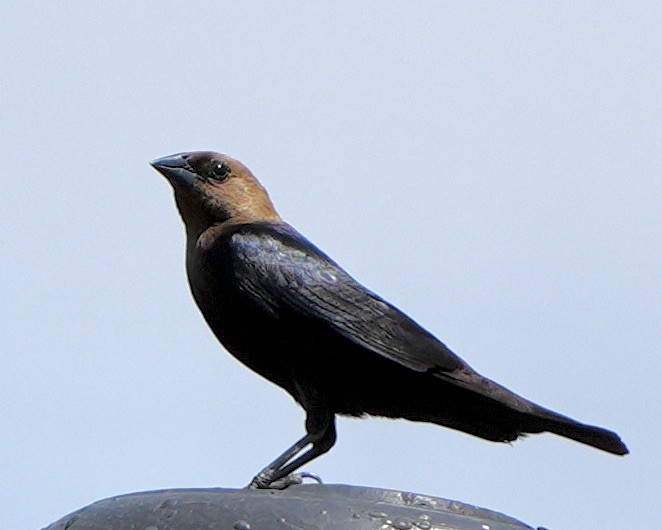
x,y
494,169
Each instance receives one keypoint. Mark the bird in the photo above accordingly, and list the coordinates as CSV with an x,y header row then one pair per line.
x,y
291,314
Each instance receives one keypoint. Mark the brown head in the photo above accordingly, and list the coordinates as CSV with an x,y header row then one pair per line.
x,y
212,188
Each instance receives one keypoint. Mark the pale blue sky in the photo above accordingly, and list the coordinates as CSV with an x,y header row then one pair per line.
x,y
494,169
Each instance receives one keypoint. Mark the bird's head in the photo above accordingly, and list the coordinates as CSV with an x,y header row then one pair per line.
x,y
212,188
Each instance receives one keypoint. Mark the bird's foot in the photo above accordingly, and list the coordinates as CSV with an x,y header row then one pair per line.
x,y
263,480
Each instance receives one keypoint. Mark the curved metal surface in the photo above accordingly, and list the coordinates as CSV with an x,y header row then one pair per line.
x,y
304,507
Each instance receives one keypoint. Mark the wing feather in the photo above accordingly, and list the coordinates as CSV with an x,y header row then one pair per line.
x,y
290,275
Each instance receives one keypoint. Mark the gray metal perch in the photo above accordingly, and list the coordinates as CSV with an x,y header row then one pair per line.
x,y
303,507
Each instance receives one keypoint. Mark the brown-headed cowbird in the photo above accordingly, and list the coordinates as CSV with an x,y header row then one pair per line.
x,y
290,313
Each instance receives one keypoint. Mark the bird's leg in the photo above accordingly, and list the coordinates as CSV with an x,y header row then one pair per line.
x,y
320,446
265,477
321,433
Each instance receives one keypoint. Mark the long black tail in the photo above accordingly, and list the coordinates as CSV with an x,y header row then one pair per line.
x,y
491,411
587,434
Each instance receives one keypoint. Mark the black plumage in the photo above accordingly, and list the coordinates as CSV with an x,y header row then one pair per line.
x,y
290,313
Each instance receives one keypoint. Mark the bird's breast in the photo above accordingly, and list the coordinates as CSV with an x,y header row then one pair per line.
x,y
251,333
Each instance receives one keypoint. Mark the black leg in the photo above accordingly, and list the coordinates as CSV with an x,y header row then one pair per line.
x,y
321,433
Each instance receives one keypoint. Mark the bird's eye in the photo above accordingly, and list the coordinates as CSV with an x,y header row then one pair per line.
x,y
220,170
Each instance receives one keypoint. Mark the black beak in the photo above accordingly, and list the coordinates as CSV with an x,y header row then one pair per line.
x,y
176,169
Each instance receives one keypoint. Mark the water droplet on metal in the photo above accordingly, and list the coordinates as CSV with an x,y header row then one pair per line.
x,y
402,525
377,515
424,525
241,525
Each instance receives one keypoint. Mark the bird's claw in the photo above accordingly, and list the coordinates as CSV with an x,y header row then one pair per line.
x,y
263,480
311,475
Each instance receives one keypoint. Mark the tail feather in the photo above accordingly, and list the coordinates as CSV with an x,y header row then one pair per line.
x,y
587,434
